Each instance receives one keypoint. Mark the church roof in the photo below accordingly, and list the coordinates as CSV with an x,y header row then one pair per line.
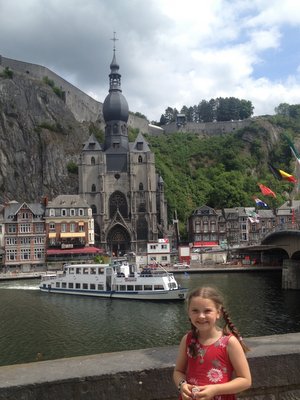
x,y
92,144
140,145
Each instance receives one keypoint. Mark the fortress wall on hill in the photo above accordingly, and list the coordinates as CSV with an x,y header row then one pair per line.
x,y
84,107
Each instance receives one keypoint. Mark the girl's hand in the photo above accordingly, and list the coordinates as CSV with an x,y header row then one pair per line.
x,y
203,392
186,391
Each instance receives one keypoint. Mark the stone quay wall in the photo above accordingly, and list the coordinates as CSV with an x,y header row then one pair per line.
x,y
147,374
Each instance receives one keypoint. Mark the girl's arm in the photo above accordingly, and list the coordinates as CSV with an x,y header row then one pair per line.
x,y
242,375
179,374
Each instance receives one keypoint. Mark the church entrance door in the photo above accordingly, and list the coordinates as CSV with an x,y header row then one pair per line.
x,y
118,240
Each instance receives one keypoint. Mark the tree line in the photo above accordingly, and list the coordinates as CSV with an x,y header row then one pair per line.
x,y
219,109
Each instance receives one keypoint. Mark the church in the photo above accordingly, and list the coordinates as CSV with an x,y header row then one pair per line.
x,y
119,181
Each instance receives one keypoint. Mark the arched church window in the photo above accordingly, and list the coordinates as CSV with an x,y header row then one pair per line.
x,y
93,187
141,186
117,202
94,209
93,161
140,159
115,128
142,229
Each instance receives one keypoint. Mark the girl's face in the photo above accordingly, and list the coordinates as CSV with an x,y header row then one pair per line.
x,y
203,313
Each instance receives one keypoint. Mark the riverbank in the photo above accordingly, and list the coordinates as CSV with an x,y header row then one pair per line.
x,y
13,276
224,268
200,268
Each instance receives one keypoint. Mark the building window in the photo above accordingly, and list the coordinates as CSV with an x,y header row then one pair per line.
x,y
12,228
25,215
139,145
11,255
63,212
52,212
72,227
72,212
140,159
25,228
52,226
25,254
81,212
63,228
93,161
141,186
11,241
39,253
39,228
93,187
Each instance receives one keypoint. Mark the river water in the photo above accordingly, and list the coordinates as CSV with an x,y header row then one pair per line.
x,y
57,326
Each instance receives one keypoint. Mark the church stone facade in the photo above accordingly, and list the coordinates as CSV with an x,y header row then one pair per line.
x,y
119,181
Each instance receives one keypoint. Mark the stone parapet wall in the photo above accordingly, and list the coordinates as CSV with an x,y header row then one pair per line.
x,y
147,374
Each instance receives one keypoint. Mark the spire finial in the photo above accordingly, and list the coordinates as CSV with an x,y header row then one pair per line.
x,y
114,39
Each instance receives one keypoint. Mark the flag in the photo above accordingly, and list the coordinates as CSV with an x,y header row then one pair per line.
x,y
260,202
293,150
280,174
266,191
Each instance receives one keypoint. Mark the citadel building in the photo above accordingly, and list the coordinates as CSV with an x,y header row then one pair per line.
x,y
119,181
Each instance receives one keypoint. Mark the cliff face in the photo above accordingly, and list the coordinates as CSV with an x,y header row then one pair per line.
x,y
39,136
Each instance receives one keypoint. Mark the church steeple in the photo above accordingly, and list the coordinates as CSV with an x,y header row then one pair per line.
x,y
115,111
114,76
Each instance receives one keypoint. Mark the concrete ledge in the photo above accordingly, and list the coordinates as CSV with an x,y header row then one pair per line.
x,y
147,374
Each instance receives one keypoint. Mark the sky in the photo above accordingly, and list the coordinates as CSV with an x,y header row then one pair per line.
x,y
171,53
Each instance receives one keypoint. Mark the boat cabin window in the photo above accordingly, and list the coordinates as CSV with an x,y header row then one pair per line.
x,y
100,286
101,271
147,287
92,286
64,285
85,271
77,285
130,288
122,287
158,287
78,270
138,287
57,284
71,270
71,285
85,286
93,270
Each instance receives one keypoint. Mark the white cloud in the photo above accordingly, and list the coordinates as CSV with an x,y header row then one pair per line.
x,y
171,53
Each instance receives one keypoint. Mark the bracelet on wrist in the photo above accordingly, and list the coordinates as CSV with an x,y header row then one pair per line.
x,y
180,384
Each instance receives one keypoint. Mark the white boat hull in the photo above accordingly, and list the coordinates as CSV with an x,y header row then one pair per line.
x,y
169,295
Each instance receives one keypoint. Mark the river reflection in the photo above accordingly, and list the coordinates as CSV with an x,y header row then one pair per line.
x,y
63,326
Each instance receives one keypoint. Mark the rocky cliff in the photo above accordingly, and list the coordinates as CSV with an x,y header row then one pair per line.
x,y
39,138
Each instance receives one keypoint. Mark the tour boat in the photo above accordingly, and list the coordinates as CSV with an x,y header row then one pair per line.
x,y
119,280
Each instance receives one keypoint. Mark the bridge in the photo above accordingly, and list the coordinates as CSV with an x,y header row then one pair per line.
x,y
280,248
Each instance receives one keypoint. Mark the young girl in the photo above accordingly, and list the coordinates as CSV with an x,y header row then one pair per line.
x,y
208,356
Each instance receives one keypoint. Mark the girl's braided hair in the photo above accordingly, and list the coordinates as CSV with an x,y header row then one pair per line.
x,y
213,294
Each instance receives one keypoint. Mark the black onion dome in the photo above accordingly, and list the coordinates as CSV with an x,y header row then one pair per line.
x,y
115,107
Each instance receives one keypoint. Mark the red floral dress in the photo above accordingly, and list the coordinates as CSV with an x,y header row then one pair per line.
x,y
211,365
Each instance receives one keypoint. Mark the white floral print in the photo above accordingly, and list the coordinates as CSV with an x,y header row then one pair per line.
x,y
215,375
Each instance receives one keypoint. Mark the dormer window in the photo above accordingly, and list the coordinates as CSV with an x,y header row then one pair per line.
x,y
139,145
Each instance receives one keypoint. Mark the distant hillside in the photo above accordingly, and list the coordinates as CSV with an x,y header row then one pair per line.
x,y
224,171
41,137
